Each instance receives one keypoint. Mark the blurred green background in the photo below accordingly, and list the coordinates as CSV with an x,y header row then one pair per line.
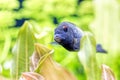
x,y
101,17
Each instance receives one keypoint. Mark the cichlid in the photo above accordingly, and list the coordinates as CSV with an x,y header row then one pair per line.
x,y
68,35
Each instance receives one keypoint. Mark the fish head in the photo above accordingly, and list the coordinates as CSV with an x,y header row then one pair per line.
x,y
64,35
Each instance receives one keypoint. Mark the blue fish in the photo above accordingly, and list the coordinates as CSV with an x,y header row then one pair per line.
x,y
68,35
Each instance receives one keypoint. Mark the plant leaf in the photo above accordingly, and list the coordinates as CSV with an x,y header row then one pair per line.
x,y
31,76
22,50
107,73
87,56
46,66
6,48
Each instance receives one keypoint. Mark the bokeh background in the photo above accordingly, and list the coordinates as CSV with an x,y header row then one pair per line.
x,y
101,17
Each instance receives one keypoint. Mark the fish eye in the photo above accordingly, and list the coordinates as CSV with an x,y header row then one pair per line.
x,y
65,28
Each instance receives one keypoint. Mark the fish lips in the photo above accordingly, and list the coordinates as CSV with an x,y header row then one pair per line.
x,y
58,38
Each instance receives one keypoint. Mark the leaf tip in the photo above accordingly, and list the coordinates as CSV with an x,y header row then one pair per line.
x,y
107,73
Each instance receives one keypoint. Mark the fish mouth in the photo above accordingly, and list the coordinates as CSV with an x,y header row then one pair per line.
x,y
57,39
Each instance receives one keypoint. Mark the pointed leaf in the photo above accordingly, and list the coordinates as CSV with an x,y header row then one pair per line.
x,y
22,50
46,66
107,73
87,56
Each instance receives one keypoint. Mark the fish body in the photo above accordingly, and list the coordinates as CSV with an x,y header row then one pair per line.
x,y
69,35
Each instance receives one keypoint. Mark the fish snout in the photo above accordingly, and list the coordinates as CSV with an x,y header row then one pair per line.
x,y
57,38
